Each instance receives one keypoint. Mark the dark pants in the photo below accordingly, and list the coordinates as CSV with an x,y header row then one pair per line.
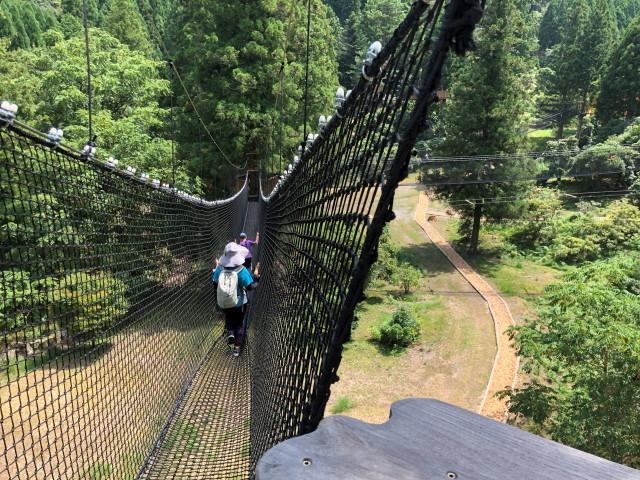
x,y
234,322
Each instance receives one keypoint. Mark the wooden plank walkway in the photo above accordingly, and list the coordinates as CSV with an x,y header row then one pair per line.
x,y
428,439
506,364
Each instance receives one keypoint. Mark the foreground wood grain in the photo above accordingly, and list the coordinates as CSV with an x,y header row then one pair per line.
x,y
430,440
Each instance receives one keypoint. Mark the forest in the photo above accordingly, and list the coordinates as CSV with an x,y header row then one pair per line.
x,y
534,147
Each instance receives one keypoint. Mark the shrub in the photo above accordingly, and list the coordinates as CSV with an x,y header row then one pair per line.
x,y
635,193
597,231
342,405
387,263
533,228
407,277
400,331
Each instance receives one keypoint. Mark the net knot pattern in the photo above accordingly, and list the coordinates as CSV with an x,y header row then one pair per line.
x,y
113,361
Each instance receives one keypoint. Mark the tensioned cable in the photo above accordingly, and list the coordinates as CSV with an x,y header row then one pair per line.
x,y
522,156
530,179
515,198
163,47
85,22
306,78
206,129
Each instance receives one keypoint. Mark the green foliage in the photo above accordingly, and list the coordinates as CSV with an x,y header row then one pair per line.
x,y
488,111
377,21
408,277
582,352
86,303
606,157
596,232
245,69
535,224
23,23
49,84
124,21
590,233
571,78
634,198
626,11
344,8
342,405
387,264
400,331
620,87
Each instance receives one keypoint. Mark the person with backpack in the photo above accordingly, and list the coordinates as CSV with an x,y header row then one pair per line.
x,y
248,244
232,281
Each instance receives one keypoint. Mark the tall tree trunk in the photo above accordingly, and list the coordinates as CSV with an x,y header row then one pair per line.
x,y
582,108
561,127
475,232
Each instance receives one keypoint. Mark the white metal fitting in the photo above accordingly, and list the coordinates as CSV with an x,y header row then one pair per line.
x,y
322,122
8,112
55,135
112,162
374,50
340,98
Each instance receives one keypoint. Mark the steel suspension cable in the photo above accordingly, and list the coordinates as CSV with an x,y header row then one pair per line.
x,y
87,50
306,78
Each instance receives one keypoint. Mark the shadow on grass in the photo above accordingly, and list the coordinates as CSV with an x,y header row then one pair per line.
x,y
385,350
373,299
82,355
426,257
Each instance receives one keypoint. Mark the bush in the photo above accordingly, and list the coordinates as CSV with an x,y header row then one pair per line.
x,y
400,331
543,204
407,277
635,193
342,405
596,232
387,263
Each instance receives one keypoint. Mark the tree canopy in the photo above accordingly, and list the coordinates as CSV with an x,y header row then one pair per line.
x,y
583,350
620,87
245,69
489,106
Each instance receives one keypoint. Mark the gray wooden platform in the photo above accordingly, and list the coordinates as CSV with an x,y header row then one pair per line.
x,y
430,440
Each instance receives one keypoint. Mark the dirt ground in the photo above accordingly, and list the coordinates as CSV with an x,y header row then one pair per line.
x,y
453,359
505,370
111,400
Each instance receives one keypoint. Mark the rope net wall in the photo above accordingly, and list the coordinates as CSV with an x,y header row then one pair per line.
x,y
112,362
106,310
322,223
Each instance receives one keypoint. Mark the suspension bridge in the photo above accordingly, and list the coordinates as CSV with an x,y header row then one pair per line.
x,y
113,363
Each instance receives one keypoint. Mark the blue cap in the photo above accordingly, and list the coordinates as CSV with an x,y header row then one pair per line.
x,y
243,235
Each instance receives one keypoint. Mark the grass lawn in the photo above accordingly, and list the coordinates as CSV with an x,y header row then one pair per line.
x,y
453,357
539,138
520,280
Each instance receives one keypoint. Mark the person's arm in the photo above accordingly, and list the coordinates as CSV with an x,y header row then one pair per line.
x,y
215,275
247,280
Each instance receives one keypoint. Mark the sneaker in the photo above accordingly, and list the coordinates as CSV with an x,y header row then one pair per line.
x,y
236,351
231,340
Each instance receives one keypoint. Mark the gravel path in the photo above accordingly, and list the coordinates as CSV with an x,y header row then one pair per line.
x,y
505,367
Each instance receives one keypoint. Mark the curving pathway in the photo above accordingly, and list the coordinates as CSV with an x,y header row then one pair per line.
x,y
505,366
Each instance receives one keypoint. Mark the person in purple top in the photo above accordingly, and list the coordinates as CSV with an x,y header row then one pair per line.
x,y
248,244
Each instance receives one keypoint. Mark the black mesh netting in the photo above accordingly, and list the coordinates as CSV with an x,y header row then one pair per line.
x,y
113,364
